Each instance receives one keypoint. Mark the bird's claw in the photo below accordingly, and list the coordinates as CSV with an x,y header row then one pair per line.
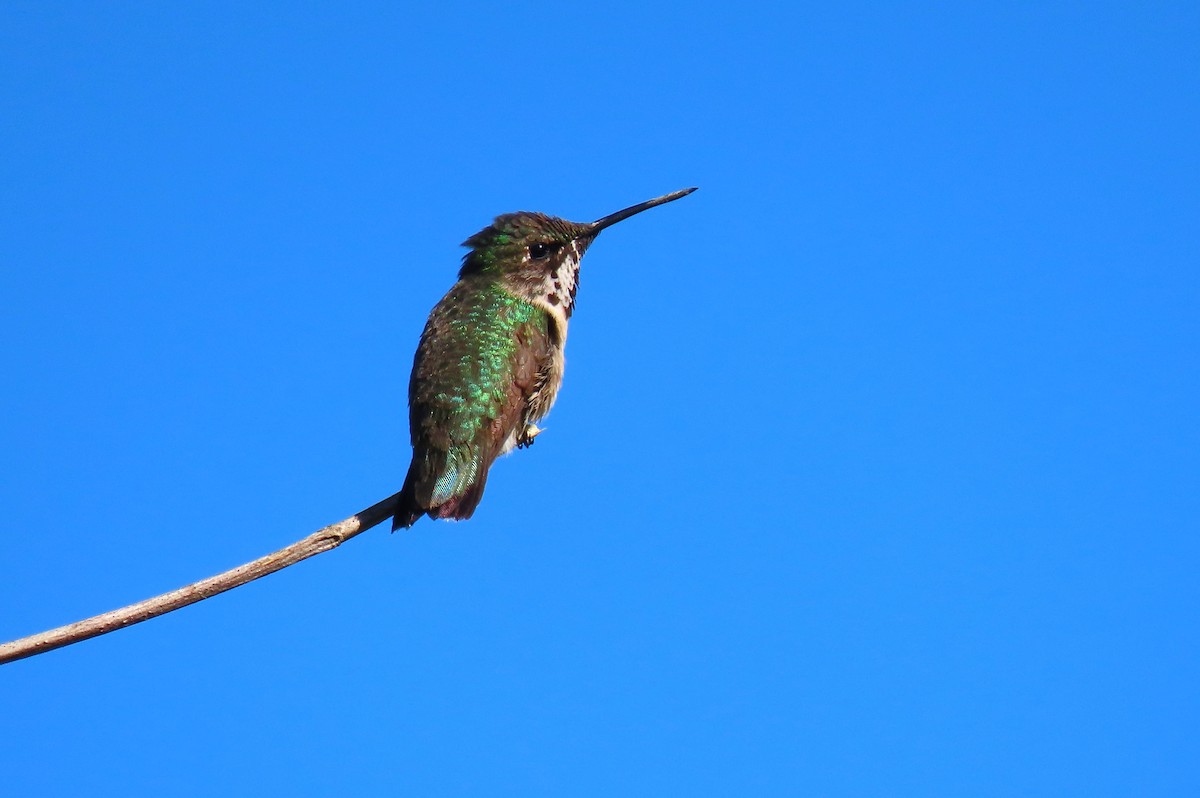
x,y
527,435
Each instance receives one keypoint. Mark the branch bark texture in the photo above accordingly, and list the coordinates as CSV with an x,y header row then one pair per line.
x,y
318,542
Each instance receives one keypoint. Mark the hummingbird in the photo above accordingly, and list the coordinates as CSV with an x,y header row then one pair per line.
x,y
490,360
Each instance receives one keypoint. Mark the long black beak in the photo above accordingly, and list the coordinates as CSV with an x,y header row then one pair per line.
x,y
598,225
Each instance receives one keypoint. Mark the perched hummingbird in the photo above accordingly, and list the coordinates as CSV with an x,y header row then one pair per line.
x,y
490,360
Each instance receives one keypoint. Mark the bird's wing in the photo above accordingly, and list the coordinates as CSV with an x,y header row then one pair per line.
x,y
476,366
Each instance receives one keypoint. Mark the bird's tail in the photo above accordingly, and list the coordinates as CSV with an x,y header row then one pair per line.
x,y
455,507
408,510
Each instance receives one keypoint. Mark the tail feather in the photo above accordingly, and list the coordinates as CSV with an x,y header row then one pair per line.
x,y
456,507
408,510
460,508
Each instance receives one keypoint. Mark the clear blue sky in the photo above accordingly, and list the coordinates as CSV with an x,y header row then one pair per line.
x,y
875,468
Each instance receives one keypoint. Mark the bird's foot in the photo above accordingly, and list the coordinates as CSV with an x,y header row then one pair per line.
x,y
525,439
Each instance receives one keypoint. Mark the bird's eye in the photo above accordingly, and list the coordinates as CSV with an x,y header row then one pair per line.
x,y
539,250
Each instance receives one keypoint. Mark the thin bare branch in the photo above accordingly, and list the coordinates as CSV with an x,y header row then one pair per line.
x,y
320,541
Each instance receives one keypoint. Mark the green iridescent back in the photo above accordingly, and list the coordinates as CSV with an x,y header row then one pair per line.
x,y
479,353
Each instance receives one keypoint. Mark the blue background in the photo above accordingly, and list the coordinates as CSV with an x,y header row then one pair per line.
x,y
875,467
